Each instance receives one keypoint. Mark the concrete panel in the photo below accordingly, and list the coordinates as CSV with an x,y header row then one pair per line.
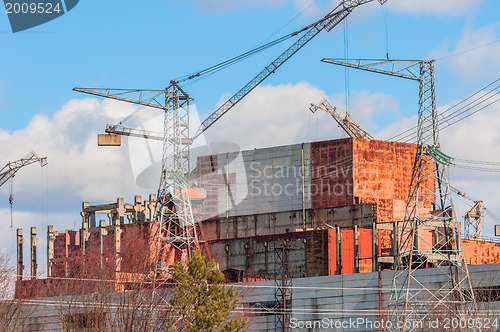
x,y
109,140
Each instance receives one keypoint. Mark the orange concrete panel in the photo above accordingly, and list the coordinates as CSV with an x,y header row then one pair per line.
x,y
347,251
365,250
399,208
384,242
480,252
426,240
213,185
382,174
332,251
383,169
331,173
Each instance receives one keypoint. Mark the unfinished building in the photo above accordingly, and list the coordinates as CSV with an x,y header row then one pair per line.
x,y
334,203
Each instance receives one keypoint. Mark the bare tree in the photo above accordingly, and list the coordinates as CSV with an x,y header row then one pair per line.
x,y
15,314
106,291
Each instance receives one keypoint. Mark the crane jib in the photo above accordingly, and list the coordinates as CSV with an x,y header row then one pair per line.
x,y
329,22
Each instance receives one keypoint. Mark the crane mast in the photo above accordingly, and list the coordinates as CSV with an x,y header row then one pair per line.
x,y
331,20
473,219
8,171
175,231
473,222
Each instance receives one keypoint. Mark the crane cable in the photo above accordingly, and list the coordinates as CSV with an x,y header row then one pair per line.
x,y
384,14
346,69
225,64
222,65
11,200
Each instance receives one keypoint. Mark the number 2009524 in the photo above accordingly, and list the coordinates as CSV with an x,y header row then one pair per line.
x,y
32,8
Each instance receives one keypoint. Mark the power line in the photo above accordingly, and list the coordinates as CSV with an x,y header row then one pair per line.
x,y
468,51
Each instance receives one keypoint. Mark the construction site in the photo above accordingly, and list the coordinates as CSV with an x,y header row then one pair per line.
x,y
347,234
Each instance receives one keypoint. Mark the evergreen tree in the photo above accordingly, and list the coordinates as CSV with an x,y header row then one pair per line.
x,y
202,300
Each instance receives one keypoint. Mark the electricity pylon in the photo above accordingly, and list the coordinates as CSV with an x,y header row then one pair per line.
x,y
429,236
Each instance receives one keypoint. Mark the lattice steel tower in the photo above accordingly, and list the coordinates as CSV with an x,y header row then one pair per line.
x,y
174,234
283,284
430,233
429,236
177,236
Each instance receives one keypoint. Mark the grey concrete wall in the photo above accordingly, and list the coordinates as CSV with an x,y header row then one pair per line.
x,y
342,299
286,222
265,180
339,298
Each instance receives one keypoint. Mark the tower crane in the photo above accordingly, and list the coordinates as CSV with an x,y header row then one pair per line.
x,y
176,234
150,98
10,169
344,120
429,187
473,219
176,139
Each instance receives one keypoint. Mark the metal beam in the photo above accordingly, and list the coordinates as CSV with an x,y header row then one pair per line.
x,y
9,170
408,69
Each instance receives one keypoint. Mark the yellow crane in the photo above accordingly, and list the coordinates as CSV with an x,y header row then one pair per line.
x,y
344,120
473,219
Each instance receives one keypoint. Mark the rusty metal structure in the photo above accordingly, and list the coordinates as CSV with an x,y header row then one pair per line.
x,y
330,215
473,219
328,208
174,208
283,282
330,21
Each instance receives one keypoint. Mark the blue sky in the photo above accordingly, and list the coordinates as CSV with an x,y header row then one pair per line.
x,y
145,44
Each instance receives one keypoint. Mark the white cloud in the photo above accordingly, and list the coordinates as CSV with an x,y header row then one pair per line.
x,y
313,8
475,56
318,9
78,170
369,109
444,7
476,138
447,7
279,115
309,8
